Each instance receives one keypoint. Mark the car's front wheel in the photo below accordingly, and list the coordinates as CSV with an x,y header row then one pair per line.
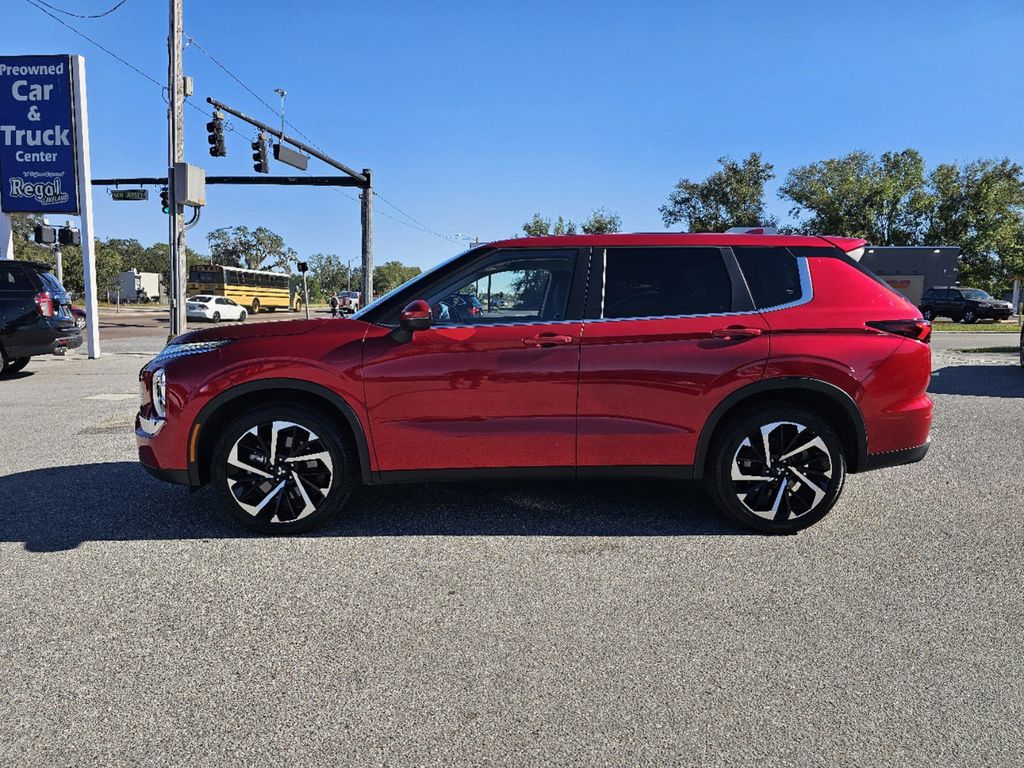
x,y
927,314
778,470
283,469
216,317
970,316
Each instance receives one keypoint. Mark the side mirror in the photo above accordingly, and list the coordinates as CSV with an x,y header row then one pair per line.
x,y
416,316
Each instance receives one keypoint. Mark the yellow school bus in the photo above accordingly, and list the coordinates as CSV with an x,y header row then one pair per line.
x,y
253,288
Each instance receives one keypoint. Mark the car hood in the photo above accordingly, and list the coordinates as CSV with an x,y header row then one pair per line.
x,y
251,330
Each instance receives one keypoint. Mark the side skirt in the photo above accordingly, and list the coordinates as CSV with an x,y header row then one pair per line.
x,y
683,472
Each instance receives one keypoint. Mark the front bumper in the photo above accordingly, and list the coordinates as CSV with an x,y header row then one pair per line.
x,y
177,476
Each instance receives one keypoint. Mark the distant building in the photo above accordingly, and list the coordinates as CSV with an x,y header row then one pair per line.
x,y
141,286
913,270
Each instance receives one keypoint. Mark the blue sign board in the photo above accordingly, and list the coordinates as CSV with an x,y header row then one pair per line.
x,y
38,165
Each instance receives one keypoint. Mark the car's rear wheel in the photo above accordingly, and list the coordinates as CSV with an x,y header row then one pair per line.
x,y
13,364
242,315
80,323
927,314
778,470
970,316
216,317
283,469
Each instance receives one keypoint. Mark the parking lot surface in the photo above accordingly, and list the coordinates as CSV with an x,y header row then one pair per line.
x,y
512,623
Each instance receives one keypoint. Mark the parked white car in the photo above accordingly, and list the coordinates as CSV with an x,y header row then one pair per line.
x,y
214,308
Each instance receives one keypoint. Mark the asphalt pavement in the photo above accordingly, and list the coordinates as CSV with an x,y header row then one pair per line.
x,y
512,623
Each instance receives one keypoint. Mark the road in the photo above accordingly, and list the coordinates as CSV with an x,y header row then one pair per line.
x,y
529,623
134,322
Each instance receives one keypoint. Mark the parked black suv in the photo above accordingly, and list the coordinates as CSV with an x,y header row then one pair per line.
x,y
967,305
35,314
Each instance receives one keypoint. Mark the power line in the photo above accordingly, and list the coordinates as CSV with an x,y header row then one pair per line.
x,y
35,4
82,16
412,223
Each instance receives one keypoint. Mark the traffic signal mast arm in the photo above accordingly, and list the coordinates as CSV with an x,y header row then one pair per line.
x,y
361,178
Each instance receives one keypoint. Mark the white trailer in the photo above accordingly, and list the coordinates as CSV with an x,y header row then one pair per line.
x,y
140,286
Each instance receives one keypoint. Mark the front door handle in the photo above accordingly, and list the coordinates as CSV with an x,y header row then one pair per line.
x,y
547,340
736,332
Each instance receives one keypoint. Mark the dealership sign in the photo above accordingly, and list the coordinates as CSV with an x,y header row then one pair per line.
x,y
38,164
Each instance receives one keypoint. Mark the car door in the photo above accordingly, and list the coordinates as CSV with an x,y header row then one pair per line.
x,y
671,331
492,384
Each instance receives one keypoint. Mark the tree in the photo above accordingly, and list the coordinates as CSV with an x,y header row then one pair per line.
x,y
538,226
980,207
24,225
331,274
392,274
602,222
253,249
731,197
882,200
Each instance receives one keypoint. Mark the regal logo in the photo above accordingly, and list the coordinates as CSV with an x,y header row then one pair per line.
x,y
43,192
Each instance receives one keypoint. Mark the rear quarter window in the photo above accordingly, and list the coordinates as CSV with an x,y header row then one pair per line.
x,y
771,275
15,277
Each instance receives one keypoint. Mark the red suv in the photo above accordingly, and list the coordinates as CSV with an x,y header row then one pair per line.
x,y
767,366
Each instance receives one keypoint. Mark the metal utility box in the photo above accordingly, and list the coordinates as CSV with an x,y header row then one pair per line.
x,y
189,184
913,270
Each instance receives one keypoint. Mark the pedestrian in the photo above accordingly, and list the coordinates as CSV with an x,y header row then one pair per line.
x,y
334,305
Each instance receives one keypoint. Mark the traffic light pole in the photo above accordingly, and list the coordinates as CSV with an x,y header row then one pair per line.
x,y
176,154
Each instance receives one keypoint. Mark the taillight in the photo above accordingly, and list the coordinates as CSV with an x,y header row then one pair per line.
x,y
44,304
474,311
919,330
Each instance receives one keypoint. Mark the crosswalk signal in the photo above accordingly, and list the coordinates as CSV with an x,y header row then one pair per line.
x,y
165,202
260,157
216,137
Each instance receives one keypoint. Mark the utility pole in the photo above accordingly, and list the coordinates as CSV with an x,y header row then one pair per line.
x,y
366,219
176,154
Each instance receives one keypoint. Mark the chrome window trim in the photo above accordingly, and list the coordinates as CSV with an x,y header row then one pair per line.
x,y
806,294
436,327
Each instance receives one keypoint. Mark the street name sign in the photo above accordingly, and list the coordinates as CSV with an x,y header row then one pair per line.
x,y
38,136
129,194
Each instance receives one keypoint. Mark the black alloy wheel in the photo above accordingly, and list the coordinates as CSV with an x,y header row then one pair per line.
x,y
283,469
777,471
970,315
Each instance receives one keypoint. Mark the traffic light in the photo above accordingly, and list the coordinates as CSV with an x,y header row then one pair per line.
x,y
216,137
45,235
165,202
260,158
69,236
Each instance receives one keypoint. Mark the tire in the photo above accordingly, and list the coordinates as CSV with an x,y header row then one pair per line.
x,y
242,315
302,501
80,323
927,314
793,491
13,365
255,306
970,316
216,317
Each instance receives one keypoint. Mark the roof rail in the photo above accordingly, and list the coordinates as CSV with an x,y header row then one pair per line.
x,y
751,231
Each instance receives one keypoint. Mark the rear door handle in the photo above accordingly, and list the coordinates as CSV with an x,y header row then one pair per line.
x,y
736,332
547,340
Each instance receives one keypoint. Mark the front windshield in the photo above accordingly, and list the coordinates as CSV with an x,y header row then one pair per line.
x,y
380,299
975,294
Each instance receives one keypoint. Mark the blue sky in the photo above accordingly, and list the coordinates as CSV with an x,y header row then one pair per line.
x,y
474,115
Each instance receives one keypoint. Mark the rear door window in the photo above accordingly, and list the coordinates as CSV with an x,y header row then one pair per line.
x,y
15,277
665,282
771,275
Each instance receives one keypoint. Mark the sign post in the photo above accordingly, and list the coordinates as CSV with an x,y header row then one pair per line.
x,y
92,320
44,154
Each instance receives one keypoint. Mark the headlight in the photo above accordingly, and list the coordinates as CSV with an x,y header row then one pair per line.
x,y
160,392
191,348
